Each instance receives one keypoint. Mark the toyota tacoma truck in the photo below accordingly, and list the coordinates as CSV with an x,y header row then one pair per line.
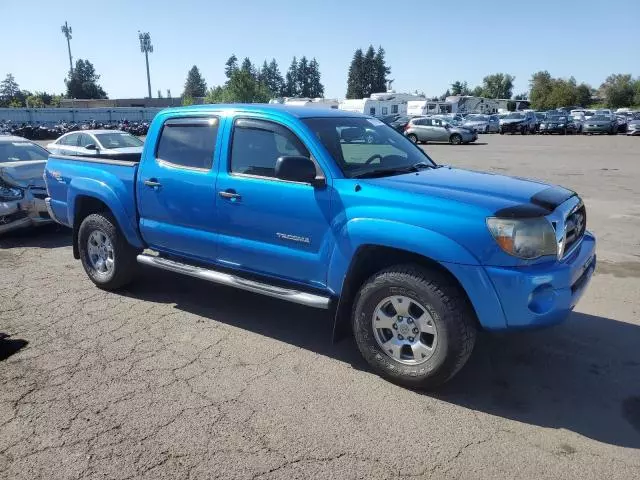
x,y
412,257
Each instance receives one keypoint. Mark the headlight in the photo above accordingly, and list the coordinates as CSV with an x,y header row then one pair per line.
x,y
561,125
9,193
526,238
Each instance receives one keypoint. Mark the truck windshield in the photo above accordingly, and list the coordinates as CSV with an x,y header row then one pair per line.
x,y
361,145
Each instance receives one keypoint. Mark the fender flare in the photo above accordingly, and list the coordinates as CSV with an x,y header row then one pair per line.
x,y
101,190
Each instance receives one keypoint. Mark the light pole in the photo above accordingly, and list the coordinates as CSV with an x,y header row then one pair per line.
x,y
146,48
66,30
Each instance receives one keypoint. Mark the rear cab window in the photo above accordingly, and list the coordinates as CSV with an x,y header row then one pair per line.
x,y
188,142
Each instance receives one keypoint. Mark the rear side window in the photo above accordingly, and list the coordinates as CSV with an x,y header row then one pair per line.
x,y
257,144
188,142
71,140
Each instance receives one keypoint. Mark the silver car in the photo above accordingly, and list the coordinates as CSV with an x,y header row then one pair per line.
x,y
22,188
482,123
103,143
633,127
428,129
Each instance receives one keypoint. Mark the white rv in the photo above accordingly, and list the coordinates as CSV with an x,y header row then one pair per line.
x,y
380,104
471,104
416,108
307,102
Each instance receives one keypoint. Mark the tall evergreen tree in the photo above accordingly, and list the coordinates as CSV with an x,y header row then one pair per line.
x,y
316,89
292,87
369,71
381,71
83,81
355,85
302,75
195,86
231,65
248,67
270,76
9,88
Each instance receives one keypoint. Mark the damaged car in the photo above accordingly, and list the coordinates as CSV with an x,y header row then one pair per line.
x,y
22,188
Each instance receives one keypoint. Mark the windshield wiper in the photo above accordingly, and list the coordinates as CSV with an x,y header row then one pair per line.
x,y
379,172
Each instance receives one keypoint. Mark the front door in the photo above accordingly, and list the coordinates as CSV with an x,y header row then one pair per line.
x,y
270,226
176,189
440,133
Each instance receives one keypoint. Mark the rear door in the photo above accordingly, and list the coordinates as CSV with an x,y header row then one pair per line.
x,y
267,225
69,144
176,188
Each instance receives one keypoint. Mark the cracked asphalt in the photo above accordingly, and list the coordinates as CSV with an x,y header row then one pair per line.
x,y
176,378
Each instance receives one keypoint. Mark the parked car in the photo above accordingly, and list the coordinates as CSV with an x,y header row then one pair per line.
x,y
432,129
22,188
398,122
411,256
603,111
600,124
621,123
482,123
560,123
102,143
633,127
588,114
578,119
540,117
518,122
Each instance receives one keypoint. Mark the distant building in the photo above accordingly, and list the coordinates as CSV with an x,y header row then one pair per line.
x,y
126,102
380,104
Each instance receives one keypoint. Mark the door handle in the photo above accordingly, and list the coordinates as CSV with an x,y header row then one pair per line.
x,y
153,183
229,195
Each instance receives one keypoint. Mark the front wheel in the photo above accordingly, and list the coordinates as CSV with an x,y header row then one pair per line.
x,y
413,138
413,326
106,256
455,139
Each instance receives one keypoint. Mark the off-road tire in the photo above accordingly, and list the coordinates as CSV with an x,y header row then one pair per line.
x,y
451,312
125,264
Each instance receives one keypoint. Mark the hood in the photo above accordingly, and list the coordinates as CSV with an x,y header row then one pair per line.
x,y
23,174
475,123
499,195
599,122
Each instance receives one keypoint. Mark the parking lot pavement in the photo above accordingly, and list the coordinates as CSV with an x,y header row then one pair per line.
x,y
175,378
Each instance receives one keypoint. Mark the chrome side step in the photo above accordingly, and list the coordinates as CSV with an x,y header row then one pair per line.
x,y
294,296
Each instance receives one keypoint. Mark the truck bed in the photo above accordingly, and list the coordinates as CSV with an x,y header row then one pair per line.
x,y
109,180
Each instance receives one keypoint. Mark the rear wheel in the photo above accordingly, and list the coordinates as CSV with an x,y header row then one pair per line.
x,y
413,326
413,138
107,257
455,139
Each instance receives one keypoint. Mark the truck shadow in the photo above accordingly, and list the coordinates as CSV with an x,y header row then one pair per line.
x,y
10,346
46,236
582,376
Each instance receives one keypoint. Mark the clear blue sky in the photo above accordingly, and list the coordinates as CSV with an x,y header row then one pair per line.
x,y
428,44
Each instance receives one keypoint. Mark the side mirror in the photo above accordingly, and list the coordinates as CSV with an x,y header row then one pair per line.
x,y
91,146
297,169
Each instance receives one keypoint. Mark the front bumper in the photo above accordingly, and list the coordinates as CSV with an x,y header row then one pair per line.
x,y
587,129
509,298
512,127
633,132
542,295
30,211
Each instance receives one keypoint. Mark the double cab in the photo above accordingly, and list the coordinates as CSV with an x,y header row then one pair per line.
x,y
410,256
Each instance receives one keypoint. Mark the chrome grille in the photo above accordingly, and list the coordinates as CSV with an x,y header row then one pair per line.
x,y
569,221
575,226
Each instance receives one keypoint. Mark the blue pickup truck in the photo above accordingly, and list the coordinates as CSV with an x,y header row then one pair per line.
x,y
411,257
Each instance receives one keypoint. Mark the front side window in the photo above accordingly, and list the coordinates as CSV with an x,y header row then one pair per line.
x,y
70,140
366,146
85,139
257,145
188,142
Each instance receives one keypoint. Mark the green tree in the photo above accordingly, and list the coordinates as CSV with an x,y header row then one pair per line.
x,y
618,90
521,96
563,93
195,86
477,91
460,88
248,67
292,88
498,85
445,95
34,101
636,98
583,95
369,71
271,77
83,81
159,93
216,95
187,100
242,87
540,87
231,65
9,88
381,70
355,83
316,89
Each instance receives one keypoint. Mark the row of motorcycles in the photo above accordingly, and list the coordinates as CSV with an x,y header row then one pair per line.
x,y
49,132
